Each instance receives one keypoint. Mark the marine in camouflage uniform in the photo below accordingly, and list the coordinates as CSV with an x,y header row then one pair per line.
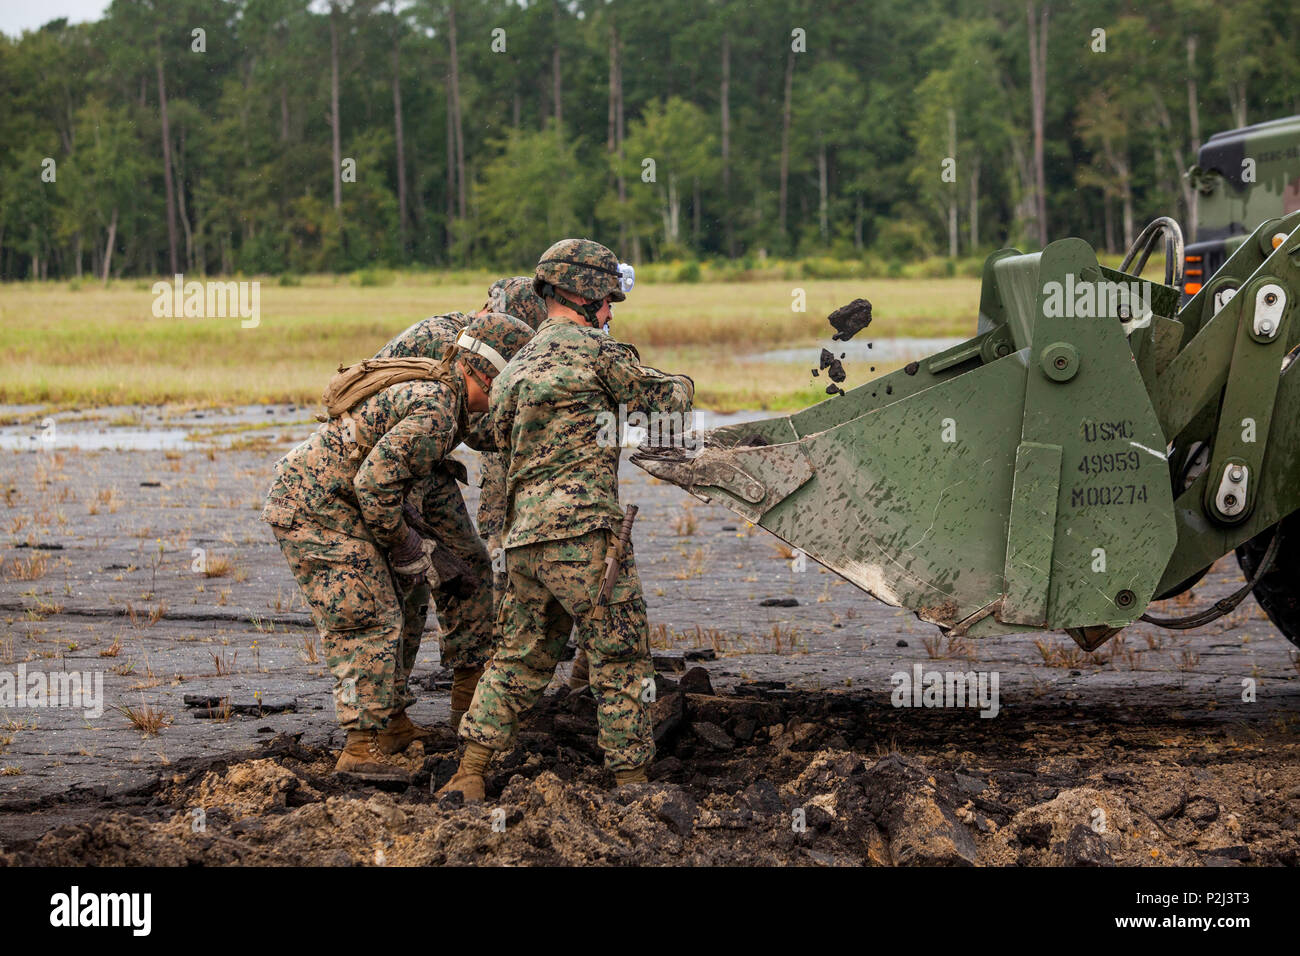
x,y
336,509
562,514
467,634
513,296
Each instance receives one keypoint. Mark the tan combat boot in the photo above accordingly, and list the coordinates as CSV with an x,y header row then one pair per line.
x,y
463,682
623,778
469,776
580,676
361,756
400,733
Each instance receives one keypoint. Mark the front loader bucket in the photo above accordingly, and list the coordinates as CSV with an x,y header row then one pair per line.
x,y
987,488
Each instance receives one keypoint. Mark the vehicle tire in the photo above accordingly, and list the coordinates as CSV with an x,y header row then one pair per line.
x,y
1278,591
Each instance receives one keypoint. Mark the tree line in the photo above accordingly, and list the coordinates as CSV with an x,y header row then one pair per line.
x,y
274,136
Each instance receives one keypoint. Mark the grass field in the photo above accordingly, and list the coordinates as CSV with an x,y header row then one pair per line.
x,y
90,345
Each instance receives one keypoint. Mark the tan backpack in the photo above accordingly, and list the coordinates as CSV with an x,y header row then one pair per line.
x,y
355,383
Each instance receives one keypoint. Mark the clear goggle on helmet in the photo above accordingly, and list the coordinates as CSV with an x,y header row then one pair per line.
x,y
626,280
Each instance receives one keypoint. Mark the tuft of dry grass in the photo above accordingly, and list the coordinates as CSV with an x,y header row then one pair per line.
x,y
150,678
1061,654
144,718
939,647
685,525
783,640
695,564
107,499
44,608
113,650
710,637
1116,652
31,568
309,654
221,666
217,566
783,551
661,636
157,613
252,443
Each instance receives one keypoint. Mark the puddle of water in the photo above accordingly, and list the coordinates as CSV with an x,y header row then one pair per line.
x,y
147,428
884,350
134,439
158,432
97,439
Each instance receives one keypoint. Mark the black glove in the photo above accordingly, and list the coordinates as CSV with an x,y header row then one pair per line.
x,y
409,561
455,577
412,515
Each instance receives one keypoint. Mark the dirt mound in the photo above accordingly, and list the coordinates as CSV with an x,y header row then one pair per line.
x,y
764,777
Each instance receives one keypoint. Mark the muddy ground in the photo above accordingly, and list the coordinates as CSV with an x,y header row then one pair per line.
x,y
779,742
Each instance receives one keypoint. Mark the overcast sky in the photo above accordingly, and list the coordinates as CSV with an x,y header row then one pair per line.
x,y
19,15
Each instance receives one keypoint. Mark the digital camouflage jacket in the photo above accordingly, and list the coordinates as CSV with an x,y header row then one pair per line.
x,y
398,435
556,416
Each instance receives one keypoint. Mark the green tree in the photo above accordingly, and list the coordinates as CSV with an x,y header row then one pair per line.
x,y
670,150
959,126
528,195
101,178
757,149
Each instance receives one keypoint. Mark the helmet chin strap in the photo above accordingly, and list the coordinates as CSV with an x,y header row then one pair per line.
x,y
590,311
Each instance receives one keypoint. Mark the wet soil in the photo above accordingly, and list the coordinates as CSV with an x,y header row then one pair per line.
x,y
764,778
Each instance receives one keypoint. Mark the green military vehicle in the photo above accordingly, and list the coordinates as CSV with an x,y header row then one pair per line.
x,y
1097,445
1242,177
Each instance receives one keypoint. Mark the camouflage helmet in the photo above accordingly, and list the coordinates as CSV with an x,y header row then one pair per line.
x,y
491,340
515,296
580,267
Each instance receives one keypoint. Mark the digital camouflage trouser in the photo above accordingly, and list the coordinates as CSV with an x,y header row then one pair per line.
x,y
553,588
467,633
491,520
349,588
